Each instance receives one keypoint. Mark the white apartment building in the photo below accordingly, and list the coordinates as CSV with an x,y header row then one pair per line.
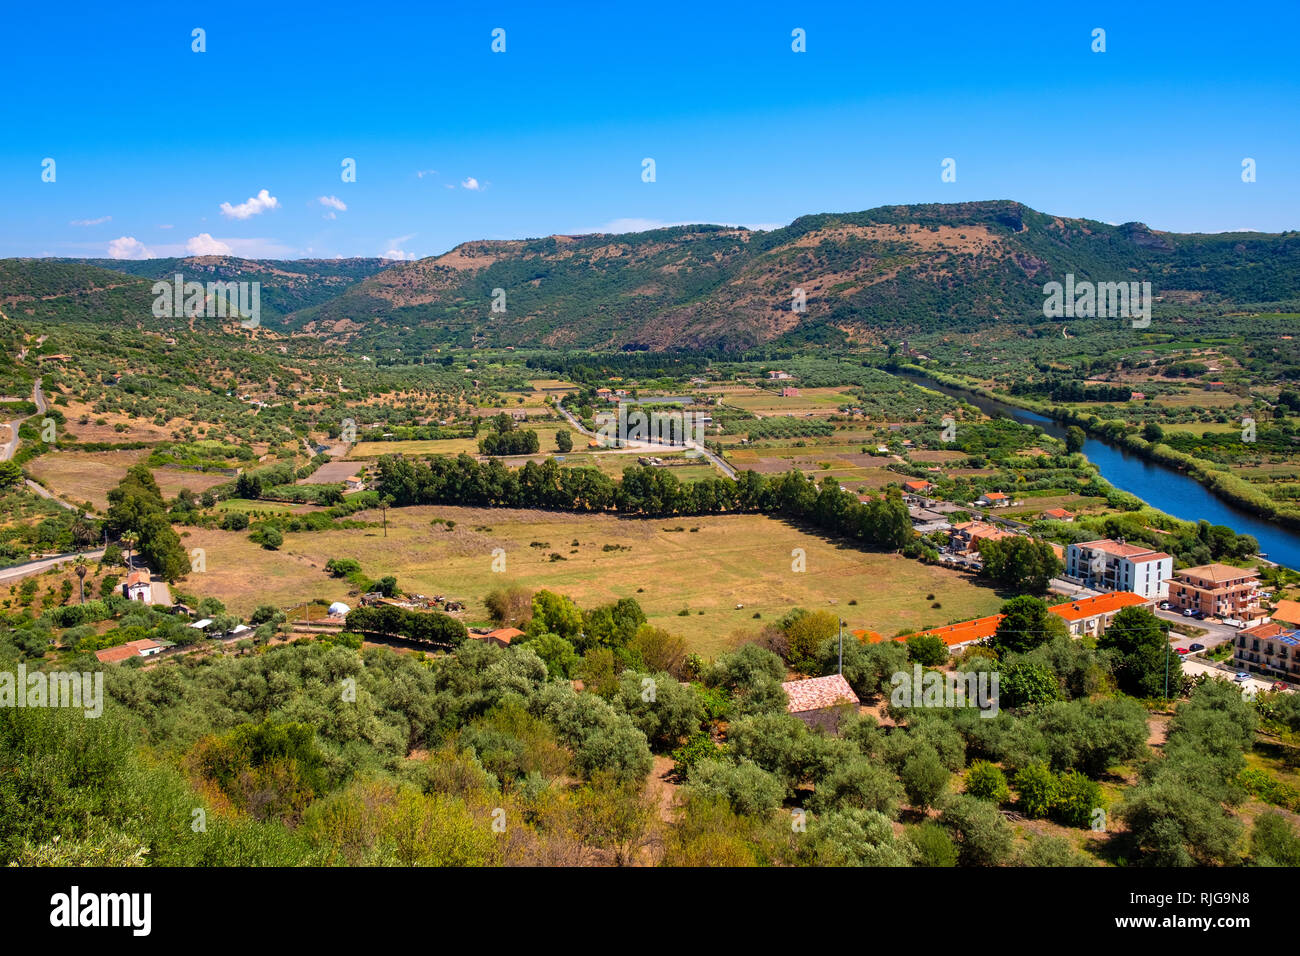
x,y
1108,565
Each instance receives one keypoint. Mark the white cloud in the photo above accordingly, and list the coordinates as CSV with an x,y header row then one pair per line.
x,y
334,202
128,247
254,206
395,248
472,184
90,222
421,173
204,245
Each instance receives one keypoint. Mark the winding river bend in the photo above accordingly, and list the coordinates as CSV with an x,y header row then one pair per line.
x,y
1158,485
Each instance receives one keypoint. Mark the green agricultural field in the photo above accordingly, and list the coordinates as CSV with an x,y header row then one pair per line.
x,y
732,559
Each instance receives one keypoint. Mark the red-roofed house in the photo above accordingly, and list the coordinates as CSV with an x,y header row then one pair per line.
x,y
1057,514
967,536
963,633
993,499
1089,617
136,587
502,636
816,701
140,648
918,487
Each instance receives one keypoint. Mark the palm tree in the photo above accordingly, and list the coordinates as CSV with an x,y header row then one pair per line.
x,y
81,577
130,539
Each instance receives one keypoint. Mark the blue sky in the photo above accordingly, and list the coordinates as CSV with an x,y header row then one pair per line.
x,y
159,149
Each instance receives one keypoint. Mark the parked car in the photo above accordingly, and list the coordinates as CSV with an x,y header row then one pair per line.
x,y
1181,650
1165,605
1281,685
1197,647
1188,612
1241,676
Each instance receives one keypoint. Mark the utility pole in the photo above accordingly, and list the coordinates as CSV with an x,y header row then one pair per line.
x,y
841,670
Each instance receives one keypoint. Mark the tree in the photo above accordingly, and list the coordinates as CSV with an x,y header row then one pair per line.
x,y
983,838
1170,824
924,778
933,845
1274,841
927,649
987,782
1143,656
564,440
1076,799
509,606
559,655
1026,624
859,782
1037,789
658,649
1074,439
745,787
1021,563
1027,684
805,633
855,837
270,537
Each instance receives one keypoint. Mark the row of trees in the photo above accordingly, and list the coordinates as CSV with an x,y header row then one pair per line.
x,y
429,627
881,522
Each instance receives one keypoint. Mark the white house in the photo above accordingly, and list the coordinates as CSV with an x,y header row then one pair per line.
x,y
1108,565
137,587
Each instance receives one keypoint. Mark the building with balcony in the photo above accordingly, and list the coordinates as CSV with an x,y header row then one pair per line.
x,y
1217,590
1272,650
1107,565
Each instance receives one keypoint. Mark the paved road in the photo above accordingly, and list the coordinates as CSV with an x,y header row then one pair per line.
x,y
36,567
8,447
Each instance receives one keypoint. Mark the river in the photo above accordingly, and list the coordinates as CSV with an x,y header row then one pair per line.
x,y
1158,485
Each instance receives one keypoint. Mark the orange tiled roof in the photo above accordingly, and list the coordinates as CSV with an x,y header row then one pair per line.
x,y
1288,611
817,693
966,631
1218,573
1098,604
506,634
111,655
1266,631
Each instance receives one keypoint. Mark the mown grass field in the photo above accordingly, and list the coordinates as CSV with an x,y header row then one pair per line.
x,y
764,403
731,559
79,476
